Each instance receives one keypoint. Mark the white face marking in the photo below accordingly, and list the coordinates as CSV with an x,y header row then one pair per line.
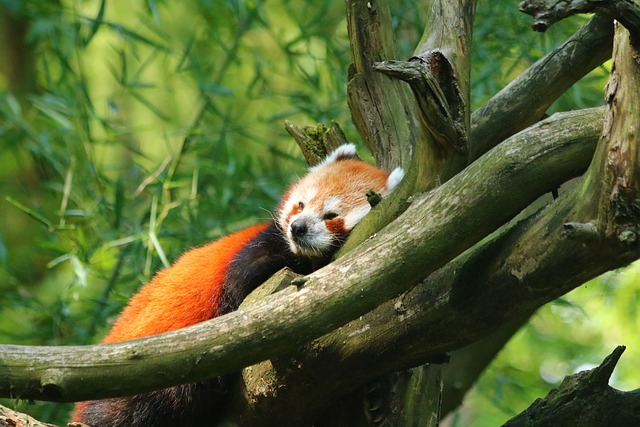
x,y
315,242
305,230
332,204
355,216
324,206
307,196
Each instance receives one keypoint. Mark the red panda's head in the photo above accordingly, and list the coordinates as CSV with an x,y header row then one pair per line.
x,y
319,211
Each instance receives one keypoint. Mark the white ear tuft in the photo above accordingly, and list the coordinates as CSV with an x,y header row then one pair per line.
x,y
394,178
345,151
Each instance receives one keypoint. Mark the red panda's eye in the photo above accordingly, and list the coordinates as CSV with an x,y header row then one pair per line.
x,y
300,205
329,216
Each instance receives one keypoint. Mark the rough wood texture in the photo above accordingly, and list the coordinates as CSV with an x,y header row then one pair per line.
x,y
316,142
443,53
439,118
11,418
363,311
378,106
584,399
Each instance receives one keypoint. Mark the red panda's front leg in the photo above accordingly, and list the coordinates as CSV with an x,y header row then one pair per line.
x,y
201,403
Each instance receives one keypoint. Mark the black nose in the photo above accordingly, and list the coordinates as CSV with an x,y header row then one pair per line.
x,y
298,228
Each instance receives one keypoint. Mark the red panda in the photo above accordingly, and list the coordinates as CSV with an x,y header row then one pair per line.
x,y
313,219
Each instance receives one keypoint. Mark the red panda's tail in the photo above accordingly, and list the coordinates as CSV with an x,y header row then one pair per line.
x,y
187,293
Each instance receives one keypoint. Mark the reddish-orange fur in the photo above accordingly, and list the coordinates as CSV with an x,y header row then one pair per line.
x,y
185,294
314,217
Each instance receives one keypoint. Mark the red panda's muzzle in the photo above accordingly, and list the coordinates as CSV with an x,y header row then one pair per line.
x,y
310,237
299,229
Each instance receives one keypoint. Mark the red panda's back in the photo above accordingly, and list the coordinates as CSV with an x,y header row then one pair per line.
x,y
184,294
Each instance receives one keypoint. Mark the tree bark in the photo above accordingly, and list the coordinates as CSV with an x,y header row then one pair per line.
x,y
584,399
548,12
525,100
11,418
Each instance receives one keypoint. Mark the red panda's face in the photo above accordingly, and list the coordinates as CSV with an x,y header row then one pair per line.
x,y
319,211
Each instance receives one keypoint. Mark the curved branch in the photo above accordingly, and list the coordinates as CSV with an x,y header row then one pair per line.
x,y
545,13
436,228
584,399
423,323
525,100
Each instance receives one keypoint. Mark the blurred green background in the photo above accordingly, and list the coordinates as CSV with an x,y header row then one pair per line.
x,y
131,131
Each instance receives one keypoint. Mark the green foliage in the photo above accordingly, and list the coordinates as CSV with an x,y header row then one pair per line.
x,y
155,126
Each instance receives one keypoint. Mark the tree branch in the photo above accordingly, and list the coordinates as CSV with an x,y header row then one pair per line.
x,y
379,108
612,180
545,13
419,325
11,418
584,399
443,53
438,75
436,228
525,100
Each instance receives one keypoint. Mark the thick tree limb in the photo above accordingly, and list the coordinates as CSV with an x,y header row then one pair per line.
x,y
502,116
441,89
437,227
615,163
545,13
381,112
379,108
442,53
508,112
612,181
421,324
438,75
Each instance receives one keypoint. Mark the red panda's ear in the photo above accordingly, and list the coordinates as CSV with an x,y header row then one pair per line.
x,y
394,178
343,152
